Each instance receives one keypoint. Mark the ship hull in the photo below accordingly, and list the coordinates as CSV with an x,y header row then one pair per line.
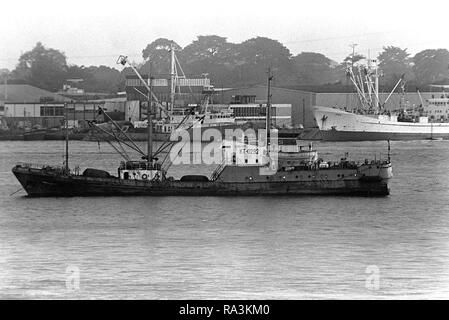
x,y
38,183
336,135
141,134
338,125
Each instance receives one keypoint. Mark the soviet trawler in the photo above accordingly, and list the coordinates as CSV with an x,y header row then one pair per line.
x,y
268,168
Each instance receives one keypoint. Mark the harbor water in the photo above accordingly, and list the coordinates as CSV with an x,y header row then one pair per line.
x,y
309,247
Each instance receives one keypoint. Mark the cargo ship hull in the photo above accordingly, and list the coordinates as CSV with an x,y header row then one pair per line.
x,y
335,135
338,125
39,183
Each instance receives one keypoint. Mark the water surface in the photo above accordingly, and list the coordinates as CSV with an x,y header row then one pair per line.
x,y
228,248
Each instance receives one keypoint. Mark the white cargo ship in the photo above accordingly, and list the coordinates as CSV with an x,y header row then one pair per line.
x,y
373,122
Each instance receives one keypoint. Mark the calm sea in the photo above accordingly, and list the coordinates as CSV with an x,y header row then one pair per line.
x,y
228,248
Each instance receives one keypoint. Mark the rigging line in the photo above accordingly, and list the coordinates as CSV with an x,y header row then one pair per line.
x,y
21,188
124,151
167,142
108,133
121,131
115,148
160,150
177,127
184,75
165,158
158,104
119,140
99,154
146,96
121,147
123,154
171,162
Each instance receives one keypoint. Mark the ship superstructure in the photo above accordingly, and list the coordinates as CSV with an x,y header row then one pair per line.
x,y
182,116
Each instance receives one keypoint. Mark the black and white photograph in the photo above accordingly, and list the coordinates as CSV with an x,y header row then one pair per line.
x,y
224,150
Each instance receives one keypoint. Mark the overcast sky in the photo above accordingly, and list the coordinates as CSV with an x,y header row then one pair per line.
x,y
95,32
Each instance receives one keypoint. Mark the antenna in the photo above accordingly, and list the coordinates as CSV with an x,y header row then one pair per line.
x,y
353,45
388,150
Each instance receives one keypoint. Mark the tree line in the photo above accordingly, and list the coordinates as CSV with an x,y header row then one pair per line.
x,y
234,65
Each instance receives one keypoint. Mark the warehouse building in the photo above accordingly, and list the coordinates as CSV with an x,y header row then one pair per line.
x,y
291,107
23,106
301,102
188,91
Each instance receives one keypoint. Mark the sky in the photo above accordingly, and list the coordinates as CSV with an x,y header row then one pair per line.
x,y
97,32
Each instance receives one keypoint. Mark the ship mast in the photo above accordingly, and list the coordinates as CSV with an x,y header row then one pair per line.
x,y
172,77
123,60
66,138
149,119
268,111
376,86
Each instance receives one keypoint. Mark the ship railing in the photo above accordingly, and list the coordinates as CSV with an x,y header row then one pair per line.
x,y
29,165
32,165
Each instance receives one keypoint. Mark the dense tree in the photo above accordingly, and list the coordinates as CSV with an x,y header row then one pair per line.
x,y
431,66
253,56
104,79
47,68
206,48
97,79
313,68
79,72
158,54
395,63
353,58
230,64
211,55
338,73
42,67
